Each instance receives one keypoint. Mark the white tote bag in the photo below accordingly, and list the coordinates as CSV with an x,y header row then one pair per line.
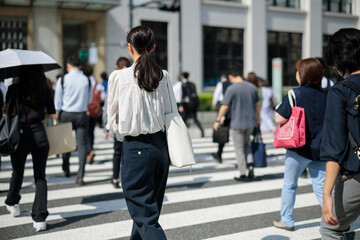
x,y
177,134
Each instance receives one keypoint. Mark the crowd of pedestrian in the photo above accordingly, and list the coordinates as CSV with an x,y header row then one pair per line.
x,y
131,105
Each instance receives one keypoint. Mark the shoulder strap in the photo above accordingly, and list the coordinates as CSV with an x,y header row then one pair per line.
x,y
292,98
351,85
62,81
171,93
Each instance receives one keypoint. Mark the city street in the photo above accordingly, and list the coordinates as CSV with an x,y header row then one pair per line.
x,y
204,203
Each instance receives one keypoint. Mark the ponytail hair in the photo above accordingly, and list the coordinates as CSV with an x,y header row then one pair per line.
x,y
147,71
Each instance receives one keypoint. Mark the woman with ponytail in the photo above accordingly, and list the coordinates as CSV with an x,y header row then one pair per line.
x,y
138,100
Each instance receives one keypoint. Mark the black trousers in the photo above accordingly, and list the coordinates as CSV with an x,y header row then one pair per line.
x,y
33,140
91,129
144,172
117,158
80,123
192,113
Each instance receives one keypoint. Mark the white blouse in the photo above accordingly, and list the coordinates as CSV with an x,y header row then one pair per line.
x,y
138,111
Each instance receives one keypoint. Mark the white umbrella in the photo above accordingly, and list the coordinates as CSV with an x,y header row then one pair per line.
x,y
12,59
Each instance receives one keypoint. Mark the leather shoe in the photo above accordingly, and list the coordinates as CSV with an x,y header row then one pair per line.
x,y
67,173
216,157
80,182
115,184
242,178
278,224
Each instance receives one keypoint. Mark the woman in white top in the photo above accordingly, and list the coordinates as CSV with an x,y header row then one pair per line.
x,y
138,100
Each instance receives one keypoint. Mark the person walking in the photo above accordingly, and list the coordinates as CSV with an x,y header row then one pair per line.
x,y
189,101
242,100
341,194
138,99
268,105
121,63
72,96
94,110
312,98
33,96
218,97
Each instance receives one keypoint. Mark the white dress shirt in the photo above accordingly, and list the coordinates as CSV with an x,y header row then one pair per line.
x,y
218,94
138,111
75,95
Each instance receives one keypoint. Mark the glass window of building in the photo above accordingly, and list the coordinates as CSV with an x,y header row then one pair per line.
x,y
342,6
222,46
286,46
13,33
161,52
284,3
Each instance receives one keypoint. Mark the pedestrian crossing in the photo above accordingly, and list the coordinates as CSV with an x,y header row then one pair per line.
x,y
205,203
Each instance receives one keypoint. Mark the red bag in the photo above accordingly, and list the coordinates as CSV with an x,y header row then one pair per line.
x,y
94,108
292,133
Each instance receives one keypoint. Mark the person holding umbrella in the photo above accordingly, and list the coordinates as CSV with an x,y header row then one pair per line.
x,y
27,97
33,96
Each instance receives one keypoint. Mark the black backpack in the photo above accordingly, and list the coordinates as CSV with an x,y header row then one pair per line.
x,y
190,96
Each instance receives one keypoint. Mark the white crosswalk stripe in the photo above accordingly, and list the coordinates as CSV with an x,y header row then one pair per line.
x,y
204,204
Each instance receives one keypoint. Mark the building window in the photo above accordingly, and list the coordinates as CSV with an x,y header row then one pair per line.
x,y
13,34
284,3
286,46
161,53
222,46
342,6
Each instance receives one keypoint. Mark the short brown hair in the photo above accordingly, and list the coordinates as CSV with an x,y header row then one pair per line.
x,y
252,78
310,71
123,62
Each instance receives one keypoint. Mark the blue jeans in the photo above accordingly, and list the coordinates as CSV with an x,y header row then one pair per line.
x,y
294,166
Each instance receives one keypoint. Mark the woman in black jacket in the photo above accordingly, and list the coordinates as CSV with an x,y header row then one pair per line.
x,y
34,98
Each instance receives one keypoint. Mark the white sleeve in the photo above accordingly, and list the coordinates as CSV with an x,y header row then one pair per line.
x,y
217,93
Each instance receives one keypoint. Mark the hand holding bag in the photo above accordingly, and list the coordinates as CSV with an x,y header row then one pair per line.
x,y
258,149
61,138
10,129
221,135
177,135
292,133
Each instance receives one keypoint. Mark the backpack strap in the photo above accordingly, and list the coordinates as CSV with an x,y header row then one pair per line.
x,y
351,85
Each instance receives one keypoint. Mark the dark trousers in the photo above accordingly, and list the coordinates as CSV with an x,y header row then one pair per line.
x,y
91,129
117,158
33,140
80,122
144,172
192,113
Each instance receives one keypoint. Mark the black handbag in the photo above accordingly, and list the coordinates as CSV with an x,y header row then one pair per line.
x,y
10,130
221,135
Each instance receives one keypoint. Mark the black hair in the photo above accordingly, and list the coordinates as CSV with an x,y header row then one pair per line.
x,y
147,71
87,70
33,87
321,60
104,76
185,75
73,61
343,50
235,69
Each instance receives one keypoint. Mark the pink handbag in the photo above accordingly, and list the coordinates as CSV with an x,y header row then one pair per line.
x,y
292,133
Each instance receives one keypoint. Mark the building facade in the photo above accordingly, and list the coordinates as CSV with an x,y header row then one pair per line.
x,y
203,38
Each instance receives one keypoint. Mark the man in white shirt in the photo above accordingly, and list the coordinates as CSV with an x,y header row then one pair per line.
x,y
72,96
